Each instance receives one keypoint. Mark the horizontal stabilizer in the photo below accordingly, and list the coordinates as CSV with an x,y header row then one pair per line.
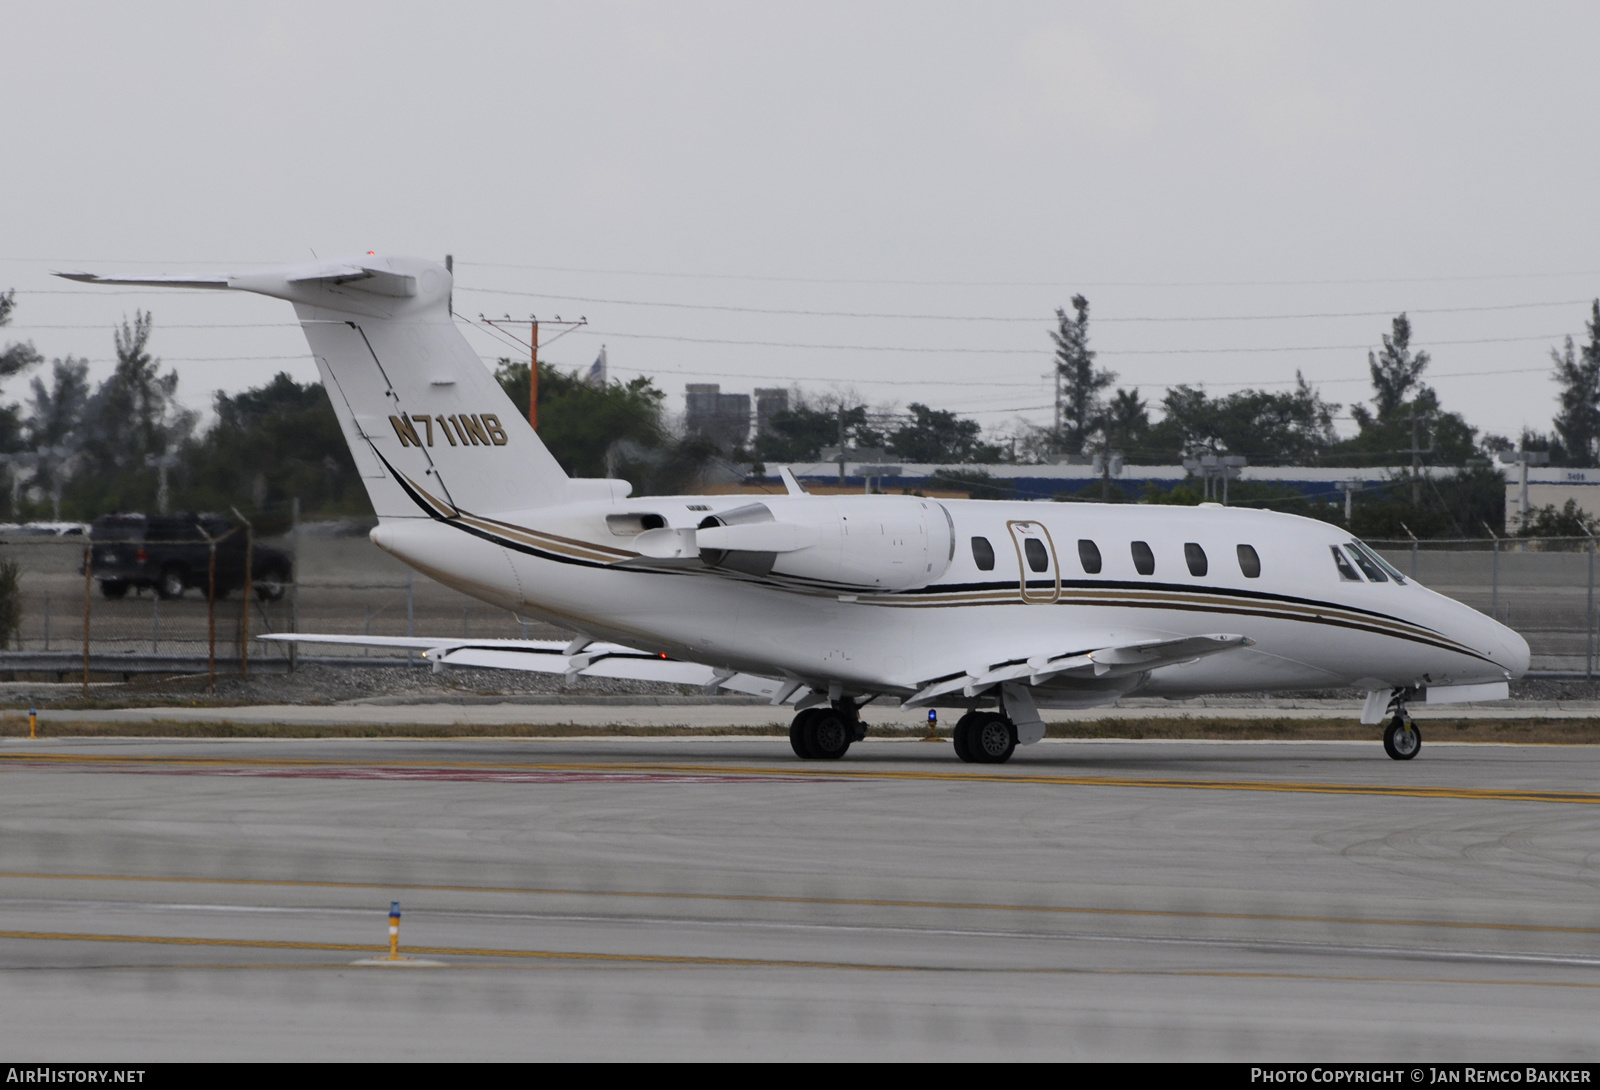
x,y
217,282
370,278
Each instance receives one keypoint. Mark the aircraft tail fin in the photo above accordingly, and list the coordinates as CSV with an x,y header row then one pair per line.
x,y
431,430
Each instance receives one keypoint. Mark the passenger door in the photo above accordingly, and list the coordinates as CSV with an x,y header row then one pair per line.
x,y
1036,559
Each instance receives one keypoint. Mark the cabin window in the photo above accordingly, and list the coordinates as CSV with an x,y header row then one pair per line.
x,y
1195,557
1249,562
1346,572
1033,549
983,554
1089,556
1144,561
1372,571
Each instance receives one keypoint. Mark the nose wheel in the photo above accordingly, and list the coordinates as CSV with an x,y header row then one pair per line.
x,y
1402,738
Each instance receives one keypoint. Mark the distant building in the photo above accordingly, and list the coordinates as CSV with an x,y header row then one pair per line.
x,y
769,403
723,418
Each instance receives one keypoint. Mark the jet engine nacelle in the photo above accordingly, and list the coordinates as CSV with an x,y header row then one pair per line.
x,y
880,543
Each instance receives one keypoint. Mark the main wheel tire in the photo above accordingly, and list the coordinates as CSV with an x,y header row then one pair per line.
x,y
800,736
114,588
173,582
828,735
962,735
992,740
1399,742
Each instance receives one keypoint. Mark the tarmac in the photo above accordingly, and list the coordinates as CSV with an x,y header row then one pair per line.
x,y
714,714
644,898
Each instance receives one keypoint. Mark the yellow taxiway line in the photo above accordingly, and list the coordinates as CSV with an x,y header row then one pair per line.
x,y
830,772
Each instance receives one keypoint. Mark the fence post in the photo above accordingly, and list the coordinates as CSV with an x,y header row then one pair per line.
x,y
1588,617
47,620
88,583
1494,592
155,623
211,619
411,615
249,589
294,581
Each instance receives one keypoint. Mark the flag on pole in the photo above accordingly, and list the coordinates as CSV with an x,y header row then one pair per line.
x,y
597,370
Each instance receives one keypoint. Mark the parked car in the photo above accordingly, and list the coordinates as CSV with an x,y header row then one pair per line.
x,y
170,554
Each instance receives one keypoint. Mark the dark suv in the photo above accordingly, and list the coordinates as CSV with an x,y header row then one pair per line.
x,y
170,554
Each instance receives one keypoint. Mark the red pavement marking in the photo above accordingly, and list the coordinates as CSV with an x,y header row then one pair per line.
x,y
473,775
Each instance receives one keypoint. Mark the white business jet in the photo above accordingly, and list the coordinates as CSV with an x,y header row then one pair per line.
x,y
998,608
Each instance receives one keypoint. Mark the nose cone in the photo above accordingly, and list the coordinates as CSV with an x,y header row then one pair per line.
x,y
1511,650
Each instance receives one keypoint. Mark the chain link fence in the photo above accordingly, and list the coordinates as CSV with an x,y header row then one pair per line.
x,y
1542,587
77,622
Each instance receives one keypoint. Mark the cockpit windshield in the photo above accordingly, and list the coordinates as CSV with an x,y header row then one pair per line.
x,y
1361,549
1373,573
1346,572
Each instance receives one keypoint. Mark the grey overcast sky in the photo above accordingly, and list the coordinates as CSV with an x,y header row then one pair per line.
x,y
1293,174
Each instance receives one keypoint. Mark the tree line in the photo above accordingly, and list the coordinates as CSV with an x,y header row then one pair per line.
x,y
76,451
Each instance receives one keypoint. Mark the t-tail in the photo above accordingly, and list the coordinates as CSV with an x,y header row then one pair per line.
x,y
432,432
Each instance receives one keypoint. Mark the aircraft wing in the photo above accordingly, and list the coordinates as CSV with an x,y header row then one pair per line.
x,y
1115,659
554,657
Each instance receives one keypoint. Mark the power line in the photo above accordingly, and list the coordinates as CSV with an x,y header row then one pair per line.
x,y
1035,319
1064,284
921,350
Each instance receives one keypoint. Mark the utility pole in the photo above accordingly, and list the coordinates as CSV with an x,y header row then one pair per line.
x,y
533,375
1055,436
1416,452
1350,488
1523,459
532,344
162,463
841,442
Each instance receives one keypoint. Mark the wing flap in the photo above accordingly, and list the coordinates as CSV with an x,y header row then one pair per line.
x,y
609,660
1111,661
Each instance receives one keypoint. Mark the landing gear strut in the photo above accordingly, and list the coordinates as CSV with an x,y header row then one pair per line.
x,y
1402,738
824,734
987,738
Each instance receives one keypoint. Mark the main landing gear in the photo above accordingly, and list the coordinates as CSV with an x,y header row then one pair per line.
x,y
986,738
824,734
1402,738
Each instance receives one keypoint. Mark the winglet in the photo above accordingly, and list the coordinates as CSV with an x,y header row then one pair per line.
x,y
791,485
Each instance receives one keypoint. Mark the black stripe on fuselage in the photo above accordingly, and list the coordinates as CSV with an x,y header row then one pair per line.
x,y
1375,626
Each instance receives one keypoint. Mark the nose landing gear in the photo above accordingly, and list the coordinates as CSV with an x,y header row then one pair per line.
x,y
1402,738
